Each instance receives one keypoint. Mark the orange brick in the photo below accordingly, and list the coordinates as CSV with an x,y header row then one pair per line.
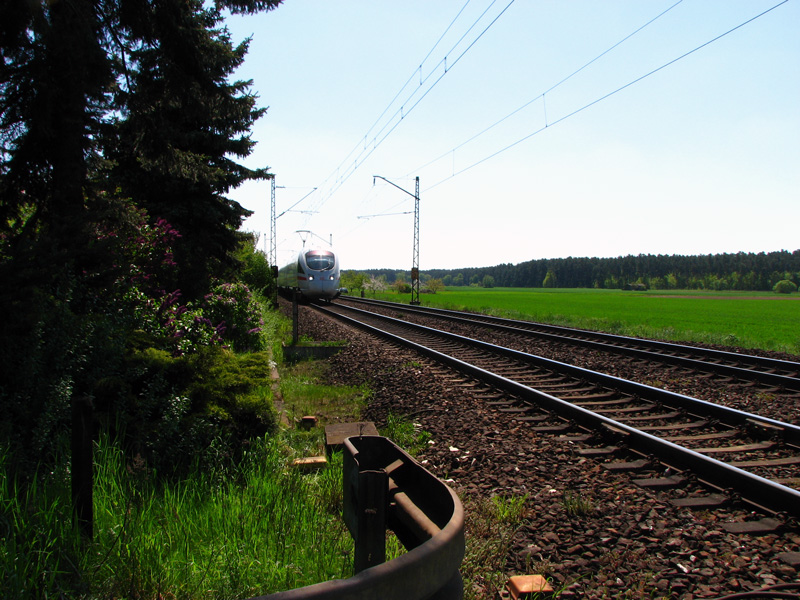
x,y
523,586
308,422
310,463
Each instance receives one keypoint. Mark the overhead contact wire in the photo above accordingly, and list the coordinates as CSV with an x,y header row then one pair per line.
x,y
542,95
349,170
608,95
405,85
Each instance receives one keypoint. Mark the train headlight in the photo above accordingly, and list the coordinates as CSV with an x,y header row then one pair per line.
x,y
331,277
311,278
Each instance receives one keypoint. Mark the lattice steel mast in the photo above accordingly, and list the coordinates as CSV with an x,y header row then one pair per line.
x,y
415,259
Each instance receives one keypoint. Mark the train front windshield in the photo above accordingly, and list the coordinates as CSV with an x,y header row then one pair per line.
x,y
320,260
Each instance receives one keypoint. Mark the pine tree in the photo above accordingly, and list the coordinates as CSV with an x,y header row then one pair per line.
x,y
102,103
52,85
181,122
69,70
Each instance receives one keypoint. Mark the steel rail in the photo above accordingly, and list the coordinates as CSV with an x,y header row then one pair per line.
x,y
729,416
760,491
647,349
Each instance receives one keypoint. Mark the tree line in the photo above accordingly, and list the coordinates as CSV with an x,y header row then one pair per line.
x,y
735,271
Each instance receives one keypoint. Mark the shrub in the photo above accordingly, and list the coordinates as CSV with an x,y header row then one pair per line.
x,y
255,269
229,315
170,409
784,286
169,324
436,285
113,331
237,316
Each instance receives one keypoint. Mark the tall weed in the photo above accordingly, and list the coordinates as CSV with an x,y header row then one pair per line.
x,y
257,528
38,545
405,433
262,528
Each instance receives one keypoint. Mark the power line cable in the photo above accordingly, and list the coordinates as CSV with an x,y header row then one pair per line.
x,y
419,69
542,95
296,203
608,95
376,142
391,103
400,91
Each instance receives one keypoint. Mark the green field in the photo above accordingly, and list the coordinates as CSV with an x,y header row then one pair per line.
x,y
748,320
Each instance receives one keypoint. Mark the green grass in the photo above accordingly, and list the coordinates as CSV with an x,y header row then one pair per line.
x,y
576,505
258,528
304,393
229,531
509,508
406,434
233,529
751,320
490,525
35,561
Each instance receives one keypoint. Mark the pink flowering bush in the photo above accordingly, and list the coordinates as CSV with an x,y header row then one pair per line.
x,y
120,333
237,315
138,252
227,316
152,260
179,328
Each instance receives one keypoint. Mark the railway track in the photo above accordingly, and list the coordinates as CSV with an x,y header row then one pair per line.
x,y
772,375
707,454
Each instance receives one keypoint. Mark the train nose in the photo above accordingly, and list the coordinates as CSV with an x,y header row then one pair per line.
x,y
322,285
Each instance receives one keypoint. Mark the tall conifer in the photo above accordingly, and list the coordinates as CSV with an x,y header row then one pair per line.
x,y
183,124
104,102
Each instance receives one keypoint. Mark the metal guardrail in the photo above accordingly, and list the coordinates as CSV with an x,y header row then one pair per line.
x,y
384,487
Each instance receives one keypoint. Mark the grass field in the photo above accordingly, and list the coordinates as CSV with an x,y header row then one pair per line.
x,y
750,320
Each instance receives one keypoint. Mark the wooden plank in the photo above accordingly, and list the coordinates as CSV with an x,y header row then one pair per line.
x,y
701,502
337,433
740,448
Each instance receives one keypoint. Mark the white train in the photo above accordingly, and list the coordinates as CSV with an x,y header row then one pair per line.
x,y
315,275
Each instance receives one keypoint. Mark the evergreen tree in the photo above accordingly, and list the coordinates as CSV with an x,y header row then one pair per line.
x,y
181,122
69,70
104,103
53,79
54,75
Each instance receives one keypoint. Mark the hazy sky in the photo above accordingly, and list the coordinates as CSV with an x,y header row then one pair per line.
x,y
502,109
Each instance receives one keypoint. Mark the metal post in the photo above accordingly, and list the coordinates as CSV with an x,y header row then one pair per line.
x,y
370,543
415,263
415,260
82,465
272,235
365,497
275,273
295,316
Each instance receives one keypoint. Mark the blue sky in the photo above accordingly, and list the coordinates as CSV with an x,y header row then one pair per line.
x,y
700,157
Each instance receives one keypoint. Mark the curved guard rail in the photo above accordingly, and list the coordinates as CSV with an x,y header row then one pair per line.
x,y
385,487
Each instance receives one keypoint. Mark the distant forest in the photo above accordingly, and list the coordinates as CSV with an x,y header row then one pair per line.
x,y
740,271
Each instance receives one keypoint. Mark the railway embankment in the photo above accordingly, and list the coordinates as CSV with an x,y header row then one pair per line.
x,y
593,532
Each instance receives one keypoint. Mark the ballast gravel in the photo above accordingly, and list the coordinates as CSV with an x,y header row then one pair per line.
x,y
592,533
